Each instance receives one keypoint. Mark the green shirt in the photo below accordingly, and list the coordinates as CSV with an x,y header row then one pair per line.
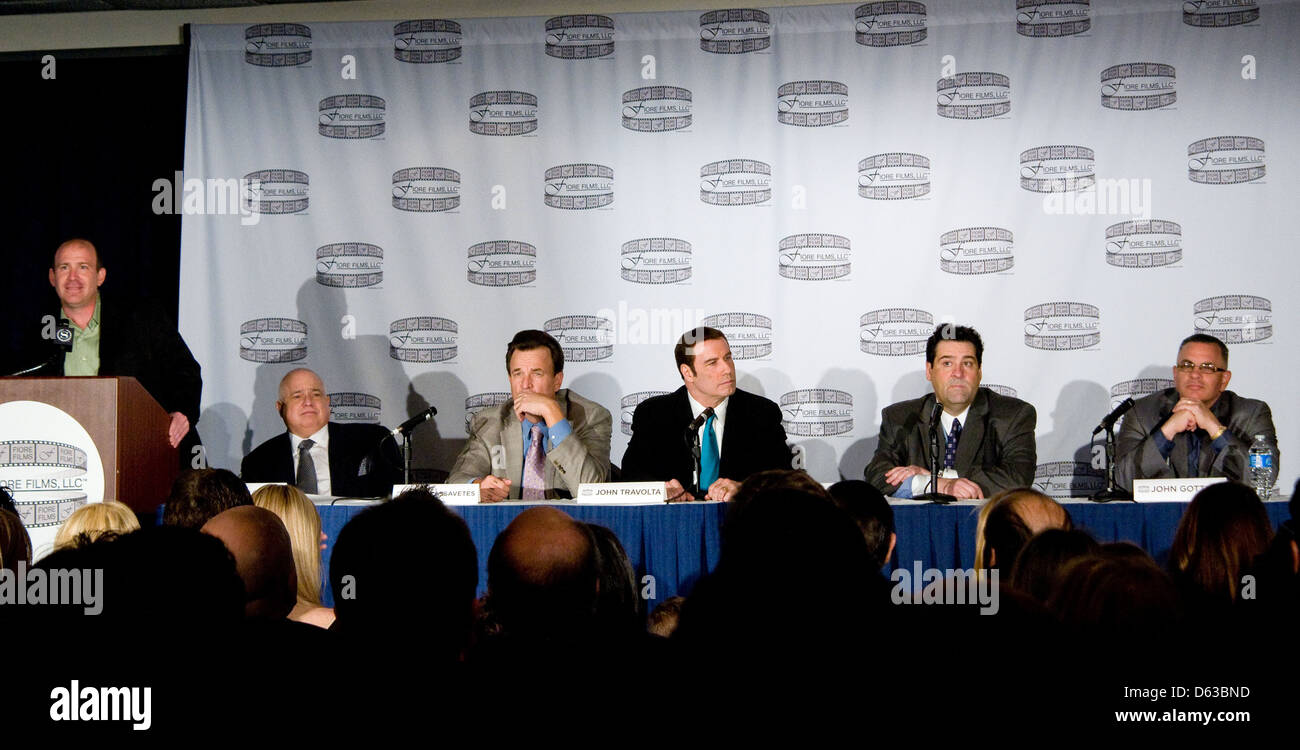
x,y
84,357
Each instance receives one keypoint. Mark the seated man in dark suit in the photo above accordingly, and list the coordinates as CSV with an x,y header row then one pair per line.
x,y
990,437
743,436
318,456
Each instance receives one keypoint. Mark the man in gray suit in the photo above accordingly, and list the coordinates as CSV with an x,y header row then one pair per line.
x,y
1195,429
543,442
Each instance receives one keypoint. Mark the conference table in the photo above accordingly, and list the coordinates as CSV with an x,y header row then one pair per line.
x,y
673,546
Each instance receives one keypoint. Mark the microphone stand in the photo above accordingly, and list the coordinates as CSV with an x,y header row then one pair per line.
x,y
937,448
1111,492
693,438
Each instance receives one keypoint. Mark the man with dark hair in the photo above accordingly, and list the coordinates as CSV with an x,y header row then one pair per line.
x,y
198,495
741,434
870,510
318,456
990,437
545,440
1197,428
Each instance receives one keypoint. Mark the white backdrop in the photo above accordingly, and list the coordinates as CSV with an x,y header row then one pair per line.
x,y
1085,183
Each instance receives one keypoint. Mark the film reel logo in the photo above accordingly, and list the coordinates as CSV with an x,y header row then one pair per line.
x,y
973,96
426,189
735,31
349,406
430,40
748,334
1136,389
971,251
1064,479
655,260
501,263
1225,160
895,331
893,176
583,338
1235,318
277,45
1052,18
1144,244
812,104
481,401
578,187
814,256
1057,169
502,113
628,406
895,23
1138,86
351,116
736,182
272,340
1001,390
657,109
1217,14
349,265
817,412
580,37
275,191
423,339
1062,326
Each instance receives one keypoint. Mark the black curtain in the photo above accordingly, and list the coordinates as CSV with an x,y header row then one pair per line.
x,y
84,149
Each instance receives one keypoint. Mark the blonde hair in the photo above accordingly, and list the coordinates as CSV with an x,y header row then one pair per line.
x,y
303,522
93,520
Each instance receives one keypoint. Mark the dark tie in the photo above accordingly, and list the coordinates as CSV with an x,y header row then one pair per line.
x,y
950,455
306,480
1194,453
535,466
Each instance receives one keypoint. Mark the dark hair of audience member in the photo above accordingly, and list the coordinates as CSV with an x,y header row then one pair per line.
x,y
7,500
1042,558
618,600
15,544
198,495
663,620
871,512
1222,531
543,576
765,481
1008,520
1124,551
1106,595
402,568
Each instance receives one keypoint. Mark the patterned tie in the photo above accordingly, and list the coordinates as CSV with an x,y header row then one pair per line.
x,y
708,456
306,480
535,466
950,455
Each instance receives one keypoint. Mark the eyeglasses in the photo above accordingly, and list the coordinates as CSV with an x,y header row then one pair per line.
x,y
1207,368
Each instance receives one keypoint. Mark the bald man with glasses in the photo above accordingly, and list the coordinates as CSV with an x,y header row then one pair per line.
x,y
1195,429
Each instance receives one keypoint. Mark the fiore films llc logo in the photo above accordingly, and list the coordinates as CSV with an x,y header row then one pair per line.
x,y
1062,326
351,116
502,113
277,45
426,189
580,37
895,331
1001,390
430,40
1138,86
1225,160
814,256
269,340
895,23
735,182
1056,169
1062,479
1136,389
275,191
501,263
1052,18
749,334
894,176
422,339
348,406
817,412
480,401
583,338
812,104
349,265
656,109
1144,244
735,31
1220,13
578,186
1235,318
655,260
973,96
976,250
628,406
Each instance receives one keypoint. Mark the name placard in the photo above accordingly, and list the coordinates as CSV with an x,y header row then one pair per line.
x,y
621,493
449,494
1171,490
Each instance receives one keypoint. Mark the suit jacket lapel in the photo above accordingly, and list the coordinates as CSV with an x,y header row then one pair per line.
x,y
927,408
732,435
972,434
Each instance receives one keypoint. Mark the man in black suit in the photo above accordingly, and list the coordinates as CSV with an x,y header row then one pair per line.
x,y
318,456
990,438
744,434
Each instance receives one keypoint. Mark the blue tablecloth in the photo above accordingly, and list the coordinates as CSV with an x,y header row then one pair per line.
x,y
678,544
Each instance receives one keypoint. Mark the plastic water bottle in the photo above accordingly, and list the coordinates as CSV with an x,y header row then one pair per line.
x,y
1262,472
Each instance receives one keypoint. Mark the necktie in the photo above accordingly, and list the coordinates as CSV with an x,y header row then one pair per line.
x,y
1194,453
306,480
535,466
708,456
950,455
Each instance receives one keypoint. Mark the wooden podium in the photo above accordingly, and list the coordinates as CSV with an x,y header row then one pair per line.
x,y
128,426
